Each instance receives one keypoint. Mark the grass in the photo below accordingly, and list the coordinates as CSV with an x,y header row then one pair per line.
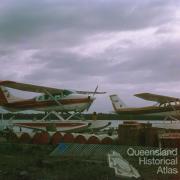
x,y
32,162
20,162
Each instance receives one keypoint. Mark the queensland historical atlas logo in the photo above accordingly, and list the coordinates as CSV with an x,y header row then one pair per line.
x,y
166,160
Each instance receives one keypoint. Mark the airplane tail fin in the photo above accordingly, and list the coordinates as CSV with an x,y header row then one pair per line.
x,y
117,102
6,97
3,98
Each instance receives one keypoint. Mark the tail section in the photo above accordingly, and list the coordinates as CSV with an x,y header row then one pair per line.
x,y
117,102
3,96
6,97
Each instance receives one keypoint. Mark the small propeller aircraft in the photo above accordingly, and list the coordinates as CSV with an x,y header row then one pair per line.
x,y
165,106
51,100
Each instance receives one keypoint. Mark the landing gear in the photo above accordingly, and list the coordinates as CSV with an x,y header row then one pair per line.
x,y
68,115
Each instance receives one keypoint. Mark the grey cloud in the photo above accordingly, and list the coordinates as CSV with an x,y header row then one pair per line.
x,y
53,27
31,19
149,65
67,69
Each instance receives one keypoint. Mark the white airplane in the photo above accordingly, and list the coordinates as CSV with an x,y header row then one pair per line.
x,y
52,100
165,105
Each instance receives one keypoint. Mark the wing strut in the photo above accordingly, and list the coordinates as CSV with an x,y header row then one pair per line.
x,y
56,113
176,111
53,97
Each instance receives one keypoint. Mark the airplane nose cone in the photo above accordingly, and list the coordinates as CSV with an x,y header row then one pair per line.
x,y
92,98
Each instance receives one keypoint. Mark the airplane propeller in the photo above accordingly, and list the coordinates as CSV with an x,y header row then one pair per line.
x,y
92,96
95,90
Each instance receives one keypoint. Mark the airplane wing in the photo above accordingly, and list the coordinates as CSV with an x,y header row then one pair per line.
x,y
39,89
157,98
29,87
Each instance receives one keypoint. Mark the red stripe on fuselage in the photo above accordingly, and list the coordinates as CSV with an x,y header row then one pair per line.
x,y
28,104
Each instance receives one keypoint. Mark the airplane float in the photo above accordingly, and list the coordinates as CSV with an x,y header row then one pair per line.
x,y
51,100
165,105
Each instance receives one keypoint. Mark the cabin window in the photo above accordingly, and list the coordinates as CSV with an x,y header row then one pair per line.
x,y
47,97
40,98
58,97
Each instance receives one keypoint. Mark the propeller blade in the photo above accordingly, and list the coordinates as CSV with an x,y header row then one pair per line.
x,y
93,97
88,107
95,91
90,103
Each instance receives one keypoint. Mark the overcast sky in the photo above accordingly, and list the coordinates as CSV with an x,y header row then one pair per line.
x,y
124,46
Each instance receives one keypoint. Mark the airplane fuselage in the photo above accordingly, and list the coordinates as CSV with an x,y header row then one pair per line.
x,y
58,102
150,110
